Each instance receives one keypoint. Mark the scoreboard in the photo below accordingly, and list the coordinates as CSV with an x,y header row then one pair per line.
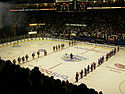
x,y
64,0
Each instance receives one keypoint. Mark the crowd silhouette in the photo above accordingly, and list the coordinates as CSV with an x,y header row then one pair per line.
x,y
18,80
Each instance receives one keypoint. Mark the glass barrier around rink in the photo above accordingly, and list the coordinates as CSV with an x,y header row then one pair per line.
x,y
16,39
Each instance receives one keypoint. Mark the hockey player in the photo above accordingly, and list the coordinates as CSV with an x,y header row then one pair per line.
x,y
66,55
38,53
77,76
118,49
81,73
63,45
59,47
19,60
94,65
71,56
72,43
26,57
69,43
53,48
114,51
85,71
107,56
23,59
98,62
88,68
14,61
33,55
102,59
45,52
56,48
91,67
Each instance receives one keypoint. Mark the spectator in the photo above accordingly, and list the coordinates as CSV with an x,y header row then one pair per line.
x,y
13,78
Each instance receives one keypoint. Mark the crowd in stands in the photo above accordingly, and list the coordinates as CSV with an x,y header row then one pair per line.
x,y
18,80
103,24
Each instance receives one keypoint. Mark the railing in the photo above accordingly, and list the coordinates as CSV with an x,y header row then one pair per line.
x,y
21,38
102,41
16,38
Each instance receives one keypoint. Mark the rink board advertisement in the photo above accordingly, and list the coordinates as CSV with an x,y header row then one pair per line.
x,y
51,73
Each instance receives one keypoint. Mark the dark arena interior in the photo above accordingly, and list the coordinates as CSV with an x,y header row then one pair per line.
x,y
62,47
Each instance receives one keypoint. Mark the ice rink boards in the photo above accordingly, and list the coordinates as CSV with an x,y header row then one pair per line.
x,y
108,78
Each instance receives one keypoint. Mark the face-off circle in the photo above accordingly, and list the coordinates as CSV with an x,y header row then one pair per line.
x,y
121,66
75,58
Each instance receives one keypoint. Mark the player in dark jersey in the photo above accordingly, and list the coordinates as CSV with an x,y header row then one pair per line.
x,y
114,51
38,53
59,47
107,56
23,59
91,67
81,73
85,71
33,55
69,43
77,76
94,65
14,61
26,57
54,48
71,56
45,52
19,60
118,49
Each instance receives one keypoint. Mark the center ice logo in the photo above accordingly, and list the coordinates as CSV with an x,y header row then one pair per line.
x,y
75,58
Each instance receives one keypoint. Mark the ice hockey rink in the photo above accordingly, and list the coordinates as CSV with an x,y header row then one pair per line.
x,y
108,77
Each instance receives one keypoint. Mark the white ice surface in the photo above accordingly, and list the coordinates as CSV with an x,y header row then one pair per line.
x,y
106,78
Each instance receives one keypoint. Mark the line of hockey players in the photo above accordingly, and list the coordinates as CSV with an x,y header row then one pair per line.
x,y
26,57
111,53
58,47
62,46
86,71
55,48
93,66
71,43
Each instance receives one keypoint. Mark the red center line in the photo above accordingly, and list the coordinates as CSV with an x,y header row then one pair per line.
x,y
55,66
